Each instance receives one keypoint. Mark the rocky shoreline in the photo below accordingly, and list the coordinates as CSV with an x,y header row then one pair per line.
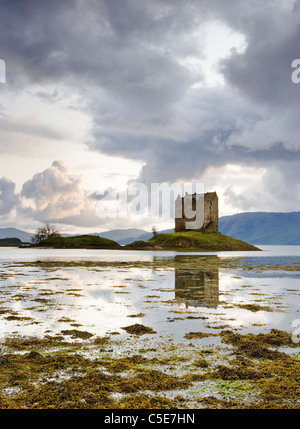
x,y
244,371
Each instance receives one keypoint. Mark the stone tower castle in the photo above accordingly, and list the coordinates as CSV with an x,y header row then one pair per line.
x,y
205,210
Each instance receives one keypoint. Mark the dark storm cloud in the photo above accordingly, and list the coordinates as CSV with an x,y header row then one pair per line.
x,y
254,122
120,46
262,72
192,162
127,61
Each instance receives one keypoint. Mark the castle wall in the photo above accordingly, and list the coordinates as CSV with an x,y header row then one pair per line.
x,y
211,212
210,221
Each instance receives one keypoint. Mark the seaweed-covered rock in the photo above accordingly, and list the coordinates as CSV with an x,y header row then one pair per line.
x,y
138,329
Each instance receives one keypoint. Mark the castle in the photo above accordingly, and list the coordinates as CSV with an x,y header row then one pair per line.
x,y
205,209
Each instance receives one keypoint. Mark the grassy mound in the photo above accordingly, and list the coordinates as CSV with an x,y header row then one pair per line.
x,y
81,241
192,240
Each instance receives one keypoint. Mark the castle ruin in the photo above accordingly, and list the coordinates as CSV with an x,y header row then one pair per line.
x,y
197,212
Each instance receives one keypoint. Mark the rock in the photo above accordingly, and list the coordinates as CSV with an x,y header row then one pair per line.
x,y
33,355
179,398
138,329
4,360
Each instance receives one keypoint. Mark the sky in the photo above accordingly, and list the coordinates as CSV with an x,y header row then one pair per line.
x,y
103,94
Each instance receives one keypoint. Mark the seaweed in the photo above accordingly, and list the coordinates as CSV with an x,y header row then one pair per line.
x,y
193,335
77,334
138,329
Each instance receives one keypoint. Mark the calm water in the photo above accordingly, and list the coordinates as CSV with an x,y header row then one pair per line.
x,y
22,254
102,300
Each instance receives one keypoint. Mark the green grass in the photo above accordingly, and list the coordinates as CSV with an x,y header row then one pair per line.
x,y
81,241
194,240
186,240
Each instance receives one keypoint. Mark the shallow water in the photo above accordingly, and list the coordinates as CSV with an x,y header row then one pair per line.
x,y
38,299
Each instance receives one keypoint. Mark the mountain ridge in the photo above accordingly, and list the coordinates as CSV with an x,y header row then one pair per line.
x,y
263,227
15,233
257,228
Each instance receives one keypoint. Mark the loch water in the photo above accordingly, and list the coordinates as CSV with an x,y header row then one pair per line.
x,y
259,293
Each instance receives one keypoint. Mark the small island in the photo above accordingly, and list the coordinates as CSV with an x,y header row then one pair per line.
x,y
177,241
190,233
78,242
192,241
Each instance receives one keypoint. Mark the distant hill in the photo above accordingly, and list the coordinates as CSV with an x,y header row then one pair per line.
x,y
16,233
263,228
126,236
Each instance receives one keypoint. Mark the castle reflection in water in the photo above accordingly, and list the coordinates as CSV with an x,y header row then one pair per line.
x,y
197,288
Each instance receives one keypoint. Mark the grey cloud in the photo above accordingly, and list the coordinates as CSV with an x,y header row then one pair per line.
x,y
261,87
210,128
278,190
263,71
125,60
111,44
193,160
40,130
8,197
